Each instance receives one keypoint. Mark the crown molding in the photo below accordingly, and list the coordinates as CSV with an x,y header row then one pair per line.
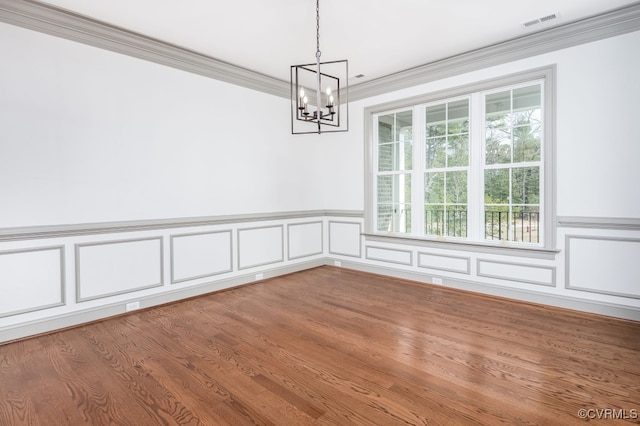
x,y
617,22
65,24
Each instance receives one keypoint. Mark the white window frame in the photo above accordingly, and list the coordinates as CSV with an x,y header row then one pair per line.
x,y
475,92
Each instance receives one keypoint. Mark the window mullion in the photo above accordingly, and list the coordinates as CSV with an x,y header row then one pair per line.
x,y
475,187
417,174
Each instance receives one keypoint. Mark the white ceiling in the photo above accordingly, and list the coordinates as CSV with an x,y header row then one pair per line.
x,y
378,37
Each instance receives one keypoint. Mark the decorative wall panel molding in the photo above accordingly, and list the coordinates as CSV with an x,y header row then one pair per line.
x,y
305,239
344,238
383,254
260,246
58,22
532,253
520,272
73,230
606,265
200,255
109,268
620,223
32,279
444,262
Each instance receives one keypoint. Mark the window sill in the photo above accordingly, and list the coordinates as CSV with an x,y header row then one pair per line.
x,y
490,248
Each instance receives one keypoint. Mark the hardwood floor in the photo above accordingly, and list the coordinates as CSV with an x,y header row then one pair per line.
x,y
329,346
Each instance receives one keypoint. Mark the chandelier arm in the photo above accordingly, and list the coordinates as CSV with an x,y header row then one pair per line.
x,y
318,28
318,88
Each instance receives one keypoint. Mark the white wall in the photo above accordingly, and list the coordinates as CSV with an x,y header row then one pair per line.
x,y
597,102
88,135
597,177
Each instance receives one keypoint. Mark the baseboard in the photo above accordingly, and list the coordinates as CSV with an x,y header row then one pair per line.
x,y
76,318
575,304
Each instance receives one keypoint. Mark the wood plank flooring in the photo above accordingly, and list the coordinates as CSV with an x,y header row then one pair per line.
x,y
329,346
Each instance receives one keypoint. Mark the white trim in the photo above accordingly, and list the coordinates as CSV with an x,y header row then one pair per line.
x,y
172,260
620,223
546,76
255,228
74,230
290,225
552,269
567,279
380,259
61,23
466,271
79,246
62,302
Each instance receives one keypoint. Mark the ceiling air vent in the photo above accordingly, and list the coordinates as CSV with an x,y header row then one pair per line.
x,y
540,20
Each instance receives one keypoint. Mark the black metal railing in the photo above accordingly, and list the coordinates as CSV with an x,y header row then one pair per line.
x,y
449,222
517,226
499,225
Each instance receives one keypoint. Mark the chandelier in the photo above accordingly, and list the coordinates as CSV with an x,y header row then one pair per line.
x,y
319,101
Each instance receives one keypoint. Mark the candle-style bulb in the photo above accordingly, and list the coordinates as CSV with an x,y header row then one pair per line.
x,y
301,93
330,100
328,91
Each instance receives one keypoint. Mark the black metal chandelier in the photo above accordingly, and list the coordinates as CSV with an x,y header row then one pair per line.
x,y
319,100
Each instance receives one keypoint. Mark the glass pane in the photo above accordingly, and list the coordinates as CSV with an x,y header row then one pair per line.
x,y
385,216
385,128
456,187
496,223
456,221
385,157
526,98
436,120
404,155
458,117
404,129
526,185
496,186
394,203
395,156
526,143
403,185
458,151
394,189
433,188
434,220
435,150
499,104
498,146
402,222
385,189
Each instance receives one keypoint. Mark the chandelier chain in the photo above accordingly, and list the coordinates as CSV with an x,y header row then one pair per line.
x,y
318,29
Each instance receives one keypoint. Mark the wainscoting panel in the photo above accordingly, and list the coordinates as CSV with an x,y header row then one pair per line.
x,y
605,265
305,239
402,257
32,279
443,262
260,246
531,274
109,268
200,255
344,238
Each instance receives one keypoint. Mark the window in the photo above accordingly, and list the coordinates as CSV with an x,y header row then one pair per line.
x,y
468,165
